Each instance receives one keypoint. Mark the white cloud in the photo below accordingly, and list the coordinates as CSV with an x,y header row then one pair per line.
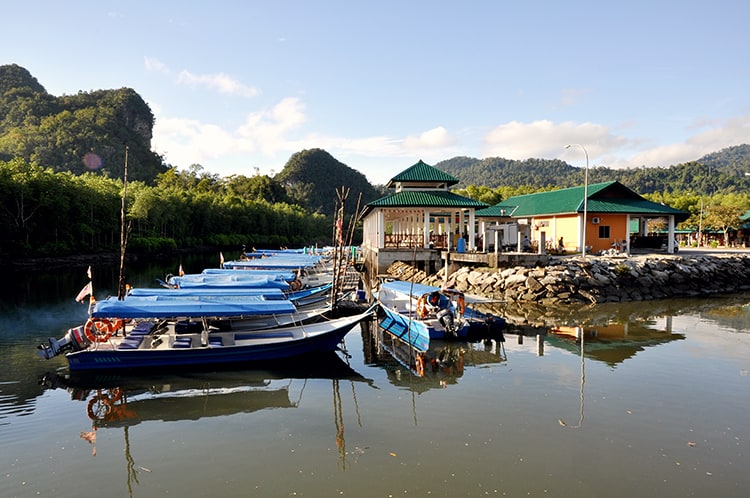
x,y
435,138
546,139
735,131
221,82
268,130
189,141
153,64
185,141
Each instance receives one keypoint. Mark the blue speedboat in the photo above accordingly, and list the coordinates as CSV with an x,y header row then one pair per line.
x,y
138,334
439,311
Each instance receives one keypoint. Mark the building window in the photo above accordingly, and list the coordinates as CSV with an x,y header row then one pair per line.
x,y
603,232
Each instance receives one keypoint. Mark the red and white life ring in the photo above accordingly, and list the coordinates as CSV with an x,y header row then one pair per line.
x,y
98,329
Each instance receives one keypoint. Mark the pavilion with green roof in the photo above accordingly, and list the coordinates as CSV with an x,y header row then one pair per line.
x,y
421,215
558,214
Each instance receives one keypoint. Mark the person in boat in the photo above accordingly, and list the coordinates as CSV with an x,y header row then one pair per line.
x,y
438,301
443,308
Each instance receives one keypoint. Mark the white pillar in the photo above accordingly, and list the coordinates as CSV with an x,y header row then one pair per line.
x,y
670,235
626,246
472,244
426,238
381,229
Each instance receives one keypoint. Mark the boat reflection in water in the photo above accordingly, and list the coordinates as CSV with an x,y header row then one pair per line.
x,y
441,365
126,401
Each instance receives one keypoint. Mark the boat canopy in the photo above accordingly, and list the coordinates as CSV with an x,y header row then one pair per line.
x,y
251,291
219,281
285,261
198,307
282,274
408,288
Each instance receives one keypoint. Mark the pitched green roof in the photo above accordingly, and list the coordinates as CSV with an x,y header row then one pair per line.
x,y
607,197
421,198
423,173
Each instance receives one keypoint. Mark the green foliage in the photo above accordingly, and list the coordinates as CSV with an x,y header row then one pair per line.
x,y
623,271
62,133
43,212
152,245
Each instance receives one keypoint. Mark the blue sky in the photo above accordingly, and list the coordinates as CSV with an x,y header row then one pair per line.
x,y
238,87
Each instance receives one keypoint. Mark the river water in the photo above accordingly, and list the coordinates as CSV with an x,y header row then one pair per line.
x,y
616,400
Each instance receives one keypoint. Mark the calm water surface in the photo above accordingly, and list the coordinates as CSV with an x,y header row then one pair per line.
x,y
652,400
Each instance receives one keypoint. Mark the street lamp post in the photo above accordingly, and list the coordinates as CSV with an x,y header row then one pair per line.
x,y
585,196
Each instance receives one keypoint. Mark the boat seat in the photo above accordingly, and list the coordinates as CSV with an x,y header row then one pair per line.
x,y
182,342
215,341
130,342
143,328
187,327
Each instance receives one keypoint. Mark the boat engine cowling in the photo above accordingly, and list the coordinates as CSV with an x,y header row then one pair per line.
x,y
73,340
447,320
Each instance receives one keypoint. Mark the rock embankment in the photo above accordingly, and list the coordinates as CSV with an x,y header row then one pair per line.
x,y
596,279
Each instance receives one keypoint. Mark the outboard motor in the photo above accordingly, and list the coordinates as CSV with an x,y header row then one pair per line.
x,y
446,319
74,340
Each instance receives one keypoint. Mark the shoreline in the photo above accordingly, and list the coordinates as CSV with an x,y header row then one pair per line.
x,y
597,279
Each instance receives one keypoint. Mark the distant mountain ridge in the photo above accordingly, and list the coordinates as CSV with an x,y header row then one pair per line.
x,y
722,170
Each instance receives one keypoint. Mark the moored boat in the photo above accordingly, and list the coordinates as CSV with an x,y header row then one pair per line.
x,y
439,311
299,298
141,334
248,280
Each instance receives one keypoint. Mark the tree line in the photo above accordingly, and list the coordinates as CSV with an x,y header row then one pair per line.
x,y
48,213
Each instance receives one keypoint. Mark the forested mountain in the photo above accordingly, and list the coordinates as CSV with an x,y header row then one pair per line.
x,y
722,171
734,161
312,177
496,172
77,133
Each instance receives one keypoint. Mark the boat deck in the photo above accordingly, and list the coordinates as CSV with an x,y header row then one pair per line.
x,y
171,340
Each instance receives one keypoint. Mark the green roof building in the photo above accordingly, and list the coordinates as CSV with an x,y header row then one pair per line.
x,y
558,214
421,215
